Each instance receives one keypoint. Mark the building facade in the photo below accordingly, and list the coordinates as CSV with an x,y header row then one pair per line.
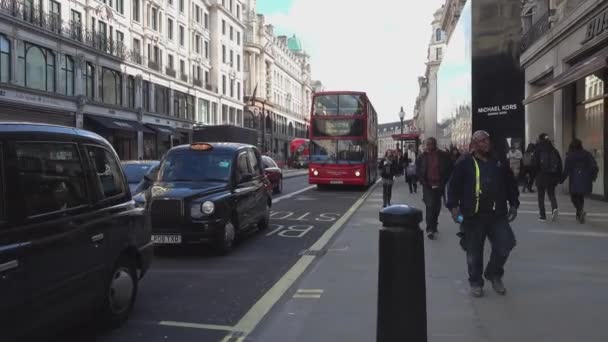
x,y
389,136
565,51
278,88
141,73
425,109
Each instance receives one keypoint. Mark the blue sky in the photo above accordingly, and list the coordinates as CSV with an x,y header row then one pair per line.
x,y
378,47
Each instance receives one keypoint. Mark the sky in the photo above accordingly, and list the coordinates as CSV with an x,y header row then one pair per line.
x,y
379,46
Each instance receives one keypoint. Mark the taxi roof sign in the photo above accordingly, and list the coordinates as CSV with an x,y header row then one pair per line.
x,y
200,146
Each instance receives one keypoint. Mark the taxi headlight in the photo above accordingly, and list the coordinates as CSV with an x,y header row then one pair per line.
x,y
208,208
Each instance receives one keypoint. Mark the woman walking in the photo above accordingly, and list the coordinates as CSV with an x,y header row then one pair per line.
x,y
410,170
582,170
528,173
388,169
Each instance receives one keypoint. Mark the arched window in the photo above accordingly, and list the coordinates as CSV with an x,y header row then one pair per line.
x,y
67,75
111,87
5,59
437,34
39,68
89,80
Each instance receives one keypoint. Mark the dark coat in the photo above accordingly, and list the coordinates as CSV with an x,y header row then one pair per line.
x,y
461,189
445,167
394,168
544,179
582,170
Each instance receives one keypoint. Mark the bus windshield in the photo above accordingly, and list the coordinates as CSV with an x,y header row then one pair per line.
x,y
337,151
326,105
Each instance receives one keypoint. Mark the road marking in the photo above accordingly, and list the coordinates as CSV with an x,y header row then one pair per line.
x,y
307,296
308,293
571,233
259,310
564,213
275,200
197,325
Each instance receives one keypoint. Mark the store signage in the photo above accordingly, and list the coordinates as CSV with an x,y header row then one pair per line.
x,y
32,98
497,110
596,26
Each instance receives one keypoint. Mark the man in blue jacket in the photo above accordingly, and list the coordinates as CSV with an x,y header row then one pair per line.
x,y
483,197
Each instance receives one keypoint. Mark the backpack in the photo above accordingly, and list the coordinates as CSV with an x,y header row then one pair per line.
x,y
528,157
550,162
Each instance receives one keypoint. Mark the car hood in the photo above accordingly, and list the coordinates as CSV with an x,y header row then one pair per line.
x,y
186,190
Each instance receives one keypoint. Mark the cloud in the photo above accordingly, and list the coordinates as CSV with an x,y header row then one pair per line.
x,y
379,47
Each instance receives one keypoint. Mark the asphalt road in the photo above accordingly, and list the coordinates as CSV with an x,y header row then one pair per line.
x,y
191,295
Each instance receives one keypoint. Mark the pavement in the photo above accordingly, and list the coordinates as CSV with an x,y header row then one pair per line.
x,y
556,279
289,173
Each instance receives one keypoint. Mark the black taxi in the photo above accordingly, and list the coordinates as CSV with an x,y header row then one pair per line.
x,y
208,193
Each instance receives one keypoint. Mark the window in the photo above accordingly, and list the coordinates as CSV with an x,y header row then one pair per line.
x,y
111,87
242,164
120,39
438,51
120,6
55,16
206,77
206,18
231,88
238,90
194,166
136,10
197,43
76,25
154,18
5,59
255,165
145,97
181,6
197,13
109,173
137,51
103,35
131,91
238,11
224,84
182,67
171,64
182,37
238,38
339,105
50,177
67,75
231,58
89,80
438,34
223,27
39,67
206,49
238,62
231,33
231,7
223,53
161,98
170,29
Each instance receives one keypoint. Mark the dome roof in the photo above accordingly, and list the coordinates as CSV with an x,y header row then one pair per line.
x,y
294,44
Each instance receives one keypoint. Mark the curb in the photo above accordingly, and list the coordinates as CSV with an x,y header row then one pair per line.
x,y
295,174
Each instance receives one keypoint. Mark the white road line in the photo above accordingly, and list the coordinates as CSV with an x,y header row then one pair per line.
x,y
196,325
275,200
310,291
570,233
257,312
563,213
307,296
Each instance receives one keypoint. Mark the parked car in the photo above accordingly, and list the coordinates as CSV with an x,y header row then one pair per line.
x,y
71,240
135,170
274,174
208,193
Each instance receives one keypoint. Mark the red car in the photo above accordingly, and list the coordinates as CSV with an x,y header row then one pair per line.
x,y
274,174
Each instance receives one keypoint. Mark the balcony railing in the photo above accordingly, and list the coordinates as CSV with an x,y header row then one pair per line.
x,y
170,72
153,65
540,27
197,82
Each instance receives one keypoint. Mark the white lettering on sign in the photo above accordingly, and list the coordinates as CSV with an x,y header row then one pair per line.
x,y
295,231
497,110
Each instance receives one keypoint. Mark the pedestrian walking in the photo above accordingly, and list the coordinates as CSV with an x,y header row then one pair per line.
x,y
410,171
515,157
388,170
548,167
582,170
483,198
528,172
433,173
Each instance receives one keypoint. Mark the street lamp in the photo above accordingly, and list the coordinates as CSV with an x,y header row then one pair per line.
x,y
401,116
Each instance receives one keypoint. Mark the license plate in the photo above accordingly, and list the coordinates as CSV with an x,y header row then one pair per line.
x,y
336,182
168,239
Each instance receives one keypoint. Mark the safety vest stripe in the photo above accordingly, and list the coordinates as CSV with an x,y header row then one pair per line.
x,y
477,185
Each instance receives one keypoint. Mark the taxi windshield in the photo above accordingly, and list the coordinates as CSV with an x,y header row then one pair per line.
x,y
196,166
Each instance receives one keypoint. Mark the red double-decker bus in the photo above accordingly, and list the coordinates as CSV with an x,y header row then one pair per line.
x,y
343,139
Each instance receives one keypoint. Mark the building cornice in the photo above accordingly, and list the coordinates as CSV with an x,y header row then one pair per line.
x,y
221,8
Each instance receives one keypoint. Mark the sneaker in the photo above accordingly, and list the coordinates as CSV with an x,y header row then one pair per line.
x,y
476,291
542,219
554,215
582,217
498,286
430,235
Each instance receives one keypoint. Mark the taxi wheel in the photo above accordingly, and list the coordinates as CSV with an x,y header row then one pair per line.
x,y
225,244
120,293
265,222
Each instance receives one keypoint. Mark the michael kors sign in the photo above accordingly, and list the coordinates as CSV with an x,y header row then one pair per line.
x,y
597,26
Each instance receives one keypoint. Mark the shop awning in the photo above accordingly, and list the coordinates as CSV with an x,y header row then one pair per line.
x,y
576,72
162,129
405,136
118,124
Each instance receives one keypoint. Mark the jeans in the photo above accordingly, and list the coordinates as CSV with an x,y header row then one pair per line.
x,y
432,200
579,202
387,191
550,189
412,181
502,239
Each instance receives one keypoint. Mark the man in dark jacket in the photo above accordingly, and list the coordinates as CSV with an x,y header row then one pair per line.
x,y
582,170
548,168
434,167
483,197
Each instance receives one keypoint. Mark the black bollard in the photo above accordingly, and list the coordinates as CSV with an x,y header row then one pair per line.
x,y
401,277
